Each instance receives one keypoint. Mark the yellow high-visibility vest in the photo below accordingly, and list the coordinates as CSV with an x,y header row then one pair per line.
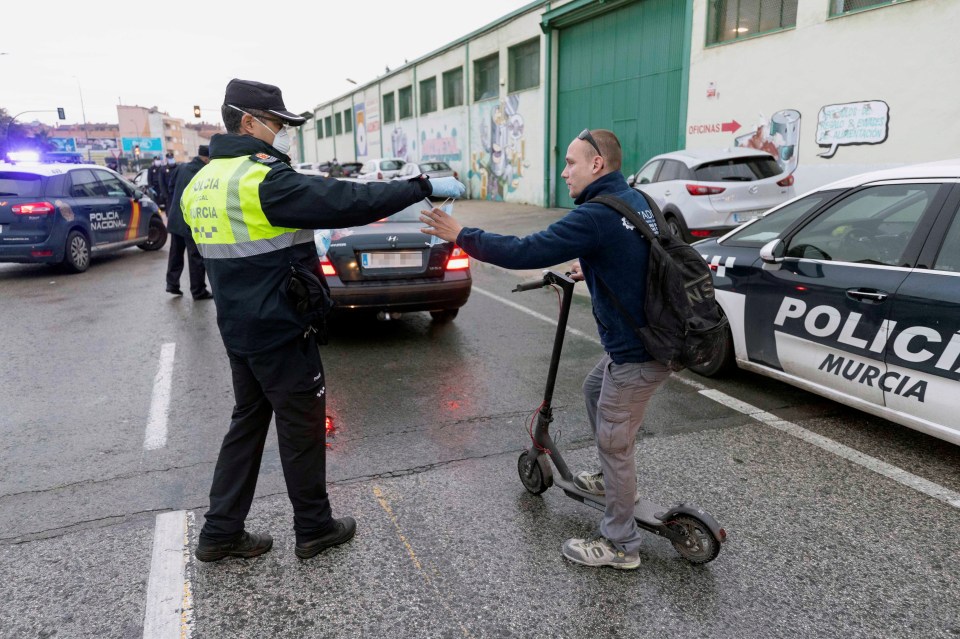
x,y
221,205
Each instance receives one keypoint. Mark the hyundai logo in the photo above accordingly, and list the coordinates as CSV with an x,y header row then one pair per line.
x,y
391,238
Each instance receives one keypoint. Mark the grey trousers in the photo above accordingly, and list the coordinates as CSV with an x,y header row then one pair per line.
x,y
617,397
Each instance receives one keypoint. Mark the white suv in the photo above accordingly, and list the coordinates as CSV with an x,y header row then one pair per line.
x,y
704,193
380,169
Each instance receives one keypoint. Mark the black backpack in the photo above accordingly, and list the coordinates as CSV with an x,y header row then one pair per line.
x,y
685,326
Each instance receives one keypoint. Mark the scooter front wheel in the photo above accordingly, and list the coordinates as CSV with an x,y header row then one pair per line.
x,y
536,479
699,545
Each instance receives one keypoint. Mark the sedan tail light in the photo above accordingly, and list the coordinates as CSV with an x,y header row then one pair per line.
x,y
379,175
456,175
701,189
459,260
327,266
787,181
33,208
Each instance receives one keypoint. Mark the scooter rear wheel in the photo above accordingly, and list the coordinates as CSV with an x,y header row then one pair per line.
x,y
700,545
532,474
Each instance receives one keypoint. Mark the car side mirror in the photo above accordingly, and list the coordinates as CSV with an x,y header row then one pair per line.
x,y
644,181
631,180
772,252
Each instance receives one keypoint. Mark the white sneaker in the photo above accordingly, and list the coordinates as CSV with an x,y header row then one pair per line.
x,y
593,483
590,483
599,552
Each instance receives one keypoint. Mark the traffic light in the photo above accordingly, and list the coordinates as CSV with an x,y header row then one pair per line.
x,y
136,151
196,110
61,114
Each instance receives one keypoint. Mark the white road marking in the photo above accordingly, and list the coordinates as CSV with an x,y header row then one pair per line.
x,y
899,475
890,471
156,434
169,606
526,310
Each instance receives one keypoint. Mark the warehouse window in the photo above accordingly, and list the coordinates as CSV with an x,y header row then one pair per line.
x,y
405,96
319,129
339,123
840,7
486,77
328,122
389,110
453,88
729,20
347,121
525,65
428,95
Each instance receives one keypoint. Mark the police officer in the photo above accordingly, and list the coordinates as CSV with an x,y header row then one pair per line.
x,y
181,239
246,208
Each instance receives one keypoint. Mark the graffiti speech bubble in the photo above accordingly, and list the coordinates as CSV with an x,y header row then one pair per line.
x,y
866,122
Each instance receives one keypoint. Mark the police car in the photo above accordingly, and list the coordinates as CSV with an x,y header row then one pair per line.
x,y
852,291
66,213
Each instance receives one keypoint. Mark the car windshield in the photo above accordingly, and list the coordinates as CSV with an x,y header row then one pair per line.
x,y
773,225
391,165
20,184
435,166
738,170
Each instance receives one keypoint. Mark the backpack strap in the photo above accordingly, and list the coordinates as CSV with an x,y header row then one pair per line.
x,y
650,227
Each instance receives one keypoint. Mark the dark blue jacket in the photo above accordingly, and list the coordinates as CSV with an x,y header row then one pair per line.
x,y
607,246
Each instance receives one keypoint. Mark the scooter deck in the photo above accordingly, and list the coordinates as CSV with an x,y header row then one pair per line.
x,y
644,511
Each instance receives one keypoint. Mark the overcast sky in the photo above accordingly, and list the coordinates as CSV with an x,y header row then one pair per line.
x,y
174,54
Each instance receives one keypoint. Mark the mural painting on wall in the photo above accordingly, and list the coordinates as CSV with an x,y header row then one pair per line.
x,y
360,126
852,123
402,148
496,170
779,136
440,146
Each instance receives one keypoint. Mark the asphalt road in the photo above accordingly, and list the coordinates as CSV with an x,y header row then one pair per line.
x,y
430,420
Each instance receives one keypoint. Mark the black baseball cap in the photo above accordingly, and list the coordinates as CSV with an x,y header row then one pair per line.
x,y
263,97
203,150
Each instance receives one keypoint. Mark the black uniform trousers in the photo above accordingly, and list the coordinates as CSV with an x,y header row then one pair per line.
x,y
198,273
287,382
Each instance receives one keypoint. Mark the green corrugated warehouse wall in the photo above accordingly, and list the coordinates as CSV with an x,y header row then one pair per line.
x,y
623,70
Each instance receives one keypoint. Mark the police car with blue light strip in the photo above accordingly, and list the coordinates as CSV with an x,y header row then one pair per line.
x,y
67,213
852,291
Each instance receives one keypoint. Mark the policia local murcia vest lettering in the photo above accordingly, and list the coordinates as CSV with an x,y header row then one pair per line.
x,y
222,207
248,259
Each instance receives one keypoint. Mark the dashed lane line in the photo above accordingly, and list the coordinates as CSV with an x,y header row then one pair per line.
x,y
919,484
168,612
156,433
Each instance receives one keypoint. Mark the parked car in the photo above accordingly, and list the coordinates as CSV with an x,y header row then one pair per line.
x,y
705,193
67,213
852,291
351,169
313,168
380,169
391,267
431,168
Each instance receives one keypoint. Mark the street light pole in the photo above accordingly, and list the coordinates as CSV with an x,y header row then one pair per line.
x,y
83,112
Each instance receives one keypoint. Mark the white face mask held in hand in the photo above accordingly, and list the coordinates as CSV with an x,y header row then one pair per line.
x,y
281,139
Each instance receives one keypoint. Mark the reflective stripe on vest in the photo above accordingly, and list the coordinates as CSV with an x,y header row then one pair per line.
x,y
222,207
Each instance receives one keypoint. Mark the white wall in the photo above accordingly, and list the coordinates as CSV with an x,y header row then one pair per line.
x,y
894,66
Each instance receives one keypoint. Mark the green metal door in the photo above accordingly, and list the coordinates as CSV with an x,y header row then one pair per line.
x,y
624,71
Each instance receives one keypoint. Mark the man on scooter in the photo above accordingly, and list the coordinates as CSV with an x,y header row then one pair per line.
x,y
619,387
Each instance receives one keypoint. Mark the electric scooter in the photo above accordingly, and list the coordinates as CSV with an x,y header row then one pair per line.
x,y
694,533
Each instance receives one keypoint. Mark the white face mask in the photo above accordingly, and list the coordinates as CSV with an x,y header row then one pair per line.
x,y
281,139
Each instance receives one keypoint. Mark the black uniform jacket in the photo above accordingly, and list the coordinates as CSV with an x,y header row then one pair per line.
x,y
184,173
252,310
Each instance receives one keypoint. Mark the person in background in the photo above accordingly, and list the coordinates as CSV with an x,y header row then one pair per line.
x,y
181,238
155,180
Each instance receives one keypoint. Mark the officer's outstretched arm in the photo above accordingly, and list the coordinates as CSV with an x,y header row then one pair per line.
x,y
301,201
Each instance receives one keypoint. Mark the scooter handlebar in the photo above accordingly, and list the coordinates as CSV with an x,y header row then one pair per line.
x,y
529,286
549,277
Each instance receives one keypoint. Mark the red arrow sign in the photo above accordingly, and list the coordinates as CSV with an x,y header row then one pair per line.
x,y
730,127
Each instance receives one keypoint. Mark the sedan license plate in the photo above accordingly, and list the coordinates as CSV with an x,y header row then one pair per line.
x,y
392,259
746,216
